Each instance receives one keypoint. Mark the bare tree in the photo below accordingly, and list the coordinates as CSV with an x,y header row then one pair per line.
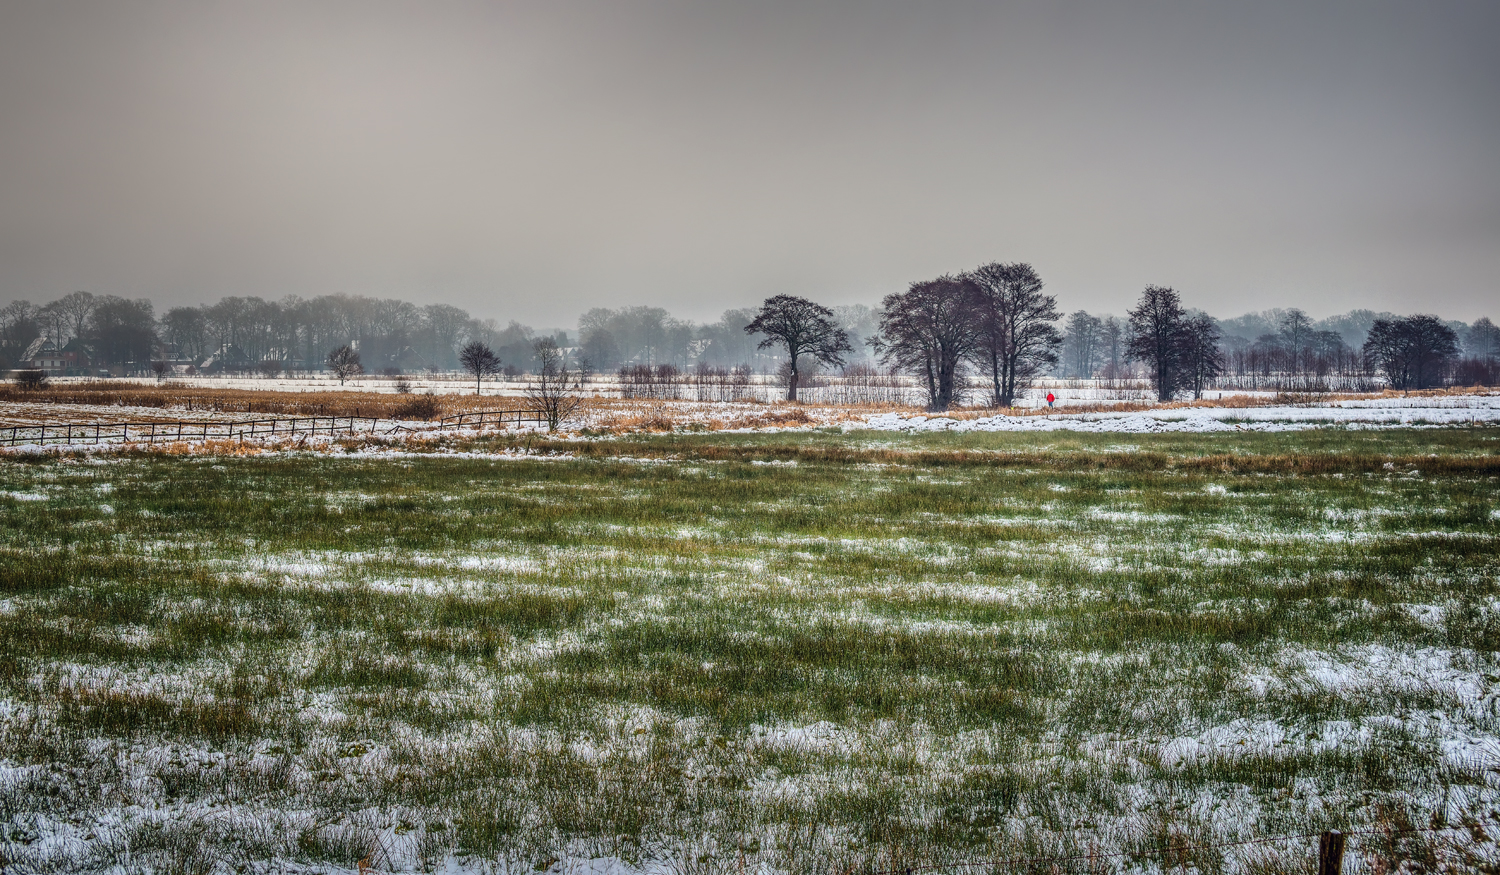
x,y
1295,329
1202,359
1082,338
929,330
344,362
161,367
54,324
1017,340
1483,339
1115,334
1156,331
123,332
479,360
804,329
549,393
76,308
188,329
18,330
1412,353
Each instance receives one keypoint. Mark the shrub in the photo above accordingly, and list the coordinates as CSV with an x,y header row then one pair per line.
x,y
418,407
31,379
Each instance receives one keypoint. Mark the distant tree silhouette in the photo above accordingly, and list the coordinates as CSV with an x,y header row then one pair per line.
x,y
1115,334
1016,341
1202,359
478,359
1083,340
187,328
18,328
1156,337
929,330
1412,353
122,331
802,328
76,308
600,349
1483,339
1295,331
344,362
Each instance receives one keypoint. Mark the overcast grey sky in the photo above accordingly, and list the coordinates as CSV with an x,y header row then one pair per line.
x,y
532,160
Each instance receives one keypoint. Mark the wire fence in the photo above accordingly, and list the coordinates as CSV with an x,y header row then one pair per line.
x,y
87,433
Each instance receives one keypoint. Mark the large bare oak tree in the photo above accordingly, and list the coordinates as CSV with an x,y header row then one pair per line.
x,y
929,330
1017,340
803,329
1158,327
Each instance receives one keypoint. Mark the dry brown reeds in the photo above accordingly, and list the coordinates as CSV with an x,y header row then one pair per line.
x,y
109,393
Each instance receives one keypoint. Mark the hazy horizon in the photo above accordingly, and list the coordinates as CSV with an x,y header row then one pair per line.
x,y
530,162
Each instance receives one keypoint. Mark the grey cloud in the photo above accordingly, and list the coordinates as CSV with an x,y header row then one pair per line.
x,y
531,161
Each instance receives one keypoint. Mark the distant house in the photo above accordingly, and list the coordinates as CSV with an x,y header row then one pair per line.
x,y
408,360
43,355
228,359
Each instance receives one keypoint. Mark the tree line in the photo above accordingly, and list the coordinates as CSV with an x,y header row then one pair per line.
x,y
251,333
991,331
994,327
245,333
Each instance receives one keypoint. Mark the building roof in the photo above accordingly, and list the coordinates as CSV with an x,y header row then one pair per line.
x,y
40,346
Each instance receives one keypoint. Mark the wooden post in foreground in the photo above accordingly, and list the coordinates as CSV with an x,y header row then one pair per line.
x,y
1331,853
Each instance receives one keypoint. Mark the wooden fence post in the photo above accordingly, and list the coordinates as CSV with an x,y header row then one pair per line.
x,y
1331,853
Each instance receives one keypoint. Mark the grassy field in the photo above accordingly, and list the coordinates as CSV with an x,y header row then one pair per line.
x,y
824,652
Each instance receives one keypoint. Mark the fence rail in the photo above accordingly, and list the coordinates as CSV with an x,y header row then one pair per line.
x,y
481,418
203,430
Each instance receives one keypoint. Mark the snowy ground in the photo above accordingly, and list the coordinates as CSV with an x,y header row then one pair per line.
x,y
750,662
600,416
764,389
1370,413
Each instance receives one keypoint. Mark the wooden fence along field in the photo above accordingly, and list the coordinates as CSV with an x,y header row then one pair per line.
x,y
203,430
481,418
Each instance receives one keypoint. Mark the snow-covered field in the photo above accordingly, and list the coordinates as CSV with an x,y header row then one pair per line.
x,y
604,417
698,662
763,388
1368,413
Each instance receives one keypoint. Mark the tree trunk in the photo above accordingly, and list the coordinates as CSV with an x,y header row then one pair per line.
x,y
791,387
1008,383
1000,397
944,398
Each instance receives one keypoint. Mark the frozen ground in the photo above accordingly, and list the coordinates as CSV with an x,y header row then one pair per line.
x,y
604,417
1069,393
750,661
1370,413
